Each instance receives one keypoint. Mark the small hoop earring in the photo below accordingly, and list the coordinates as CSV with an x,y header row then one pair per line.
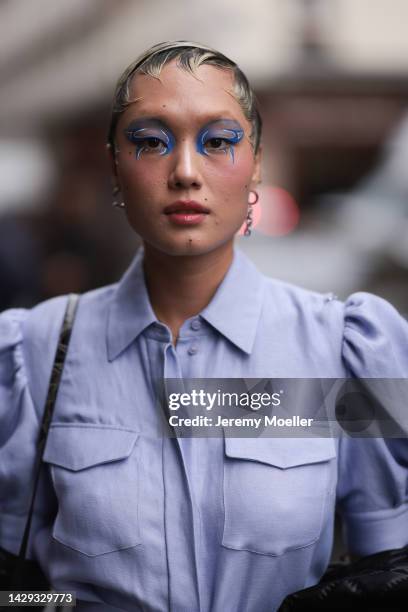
x,y
249,221
116,203
256,197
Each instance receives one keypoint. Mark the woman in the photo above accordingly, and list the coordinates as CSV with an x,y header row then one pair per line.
x,y
135,521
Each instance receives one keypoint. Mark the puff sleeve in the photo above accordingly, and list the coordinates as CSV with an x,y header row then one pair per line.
x,y
19,426
372,490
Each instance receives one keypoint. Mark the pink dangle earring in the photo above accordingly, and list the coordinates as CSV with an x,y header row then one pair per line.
x,y
249,219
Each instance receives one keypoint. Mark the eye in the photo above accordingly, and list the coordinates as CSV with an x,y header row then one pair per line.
x,y
220,144
149,141
150,145
215,143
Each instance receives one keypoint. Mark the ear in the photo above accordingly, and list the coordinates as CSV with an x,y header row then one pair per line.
x,y
257,173
113,164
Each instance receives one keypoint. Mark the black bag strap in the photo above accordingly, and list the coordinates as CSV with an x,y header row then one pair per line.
x,y
62,349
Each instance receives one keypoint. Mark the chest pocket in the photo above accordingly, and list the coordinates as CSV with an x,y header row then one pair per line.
x,y
277,492
95,475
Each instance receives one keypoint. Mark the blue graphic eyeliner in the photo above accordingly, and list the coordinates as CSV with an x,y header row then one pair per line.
x,y
226,130
152,136
150,131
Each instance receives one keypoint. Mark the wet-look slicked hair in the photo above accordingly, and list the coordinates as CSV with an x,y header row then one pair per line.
x,y
189,56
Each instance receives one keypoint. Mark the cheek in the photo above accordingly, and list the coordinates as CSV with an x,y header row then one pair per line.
x,y
244,166
232,178
141,177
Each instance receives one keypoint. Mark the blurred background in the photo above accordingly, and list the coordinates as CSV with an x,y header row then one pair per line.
x,y
331,77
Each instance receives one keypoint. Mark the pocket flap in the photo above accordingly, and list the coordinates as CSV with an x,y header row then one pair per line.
x,y
281,452
77,447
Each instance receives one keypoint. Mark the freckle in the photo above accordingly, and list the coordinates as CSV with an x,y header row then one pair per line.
x,y
205,199
163,106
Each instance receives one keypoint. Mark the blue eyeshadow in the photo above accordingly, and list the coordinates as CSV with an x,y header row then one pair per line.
x,y
226,130
142,132
145,134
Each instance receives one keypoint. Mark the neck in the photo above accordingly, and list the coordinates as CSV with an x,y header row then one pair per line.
x,y
180,287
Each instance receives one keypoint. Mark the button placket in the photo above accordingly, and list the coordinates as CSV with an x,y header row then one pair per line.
x,y
184,585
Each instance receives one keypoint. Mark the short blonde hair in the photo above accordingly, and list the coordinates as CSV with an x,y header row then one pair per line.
x,y
190,56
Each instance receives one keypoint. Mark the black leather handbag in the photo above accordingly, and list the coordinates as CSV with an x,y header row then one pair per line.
x,y
16,572
376,583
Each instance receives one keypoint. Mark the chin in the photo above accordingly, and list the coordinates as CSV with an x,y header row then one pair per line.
x,y
188,245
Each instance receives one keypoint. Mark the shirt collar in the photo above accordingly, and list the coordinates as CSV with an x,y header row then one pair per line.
x,y
130,311
234,310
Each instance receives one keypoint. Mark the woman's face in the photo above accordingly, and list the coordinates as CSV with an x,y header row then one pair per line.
x,y
185,141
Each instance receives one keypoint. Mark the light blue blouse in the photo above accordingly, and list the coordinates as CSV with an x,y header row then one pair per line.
x,y
134,521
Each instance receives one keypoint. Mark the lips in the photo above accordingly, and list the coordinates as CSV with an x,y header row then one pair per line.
x,y
186,206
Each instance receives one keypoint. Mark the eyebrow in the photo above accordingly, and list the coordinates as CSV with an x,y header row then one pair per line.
x,y
157,121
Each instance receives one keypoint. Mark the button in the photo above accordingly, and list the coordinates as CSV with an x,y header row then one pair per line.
x,y
192,350
195,324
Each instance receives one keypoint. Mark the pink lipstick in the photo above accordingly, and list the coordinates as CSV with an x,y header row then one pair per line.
x,y
186,212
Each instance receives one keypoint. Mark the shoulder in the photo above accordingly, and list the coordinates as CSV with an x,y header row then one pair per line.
x,y
12,370
359,312
295,304
43,322
295,295
366,331
11,322
29,337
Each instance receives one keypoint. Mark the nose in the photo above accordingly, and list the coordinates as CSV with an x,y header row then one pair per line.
x,y
185,173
